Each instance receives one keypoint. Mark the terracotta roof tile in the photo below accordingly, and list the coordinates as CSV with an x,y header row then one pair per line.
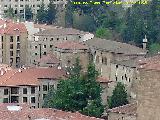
x,y
13,28
71,45
30,76
49,59
27,113
151,63
103,80
125,109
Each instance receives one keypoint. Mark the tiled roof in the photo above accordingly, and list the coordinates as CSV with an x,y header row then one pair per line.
x,y
151,63
49,59
59,31
133,63
71,45
26,113
114,46
30,76
13,28
129,109
103,80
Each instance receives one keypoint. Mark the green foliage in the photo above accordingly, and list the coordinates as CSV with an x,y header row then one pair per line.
x,y
103,33
154,48
28,13
69,15
41,14
10,13
51,13
78,93
119,96
84,22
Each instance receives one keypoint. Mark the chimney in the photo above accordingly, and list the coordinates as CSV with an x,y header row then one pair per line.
x,y
145,42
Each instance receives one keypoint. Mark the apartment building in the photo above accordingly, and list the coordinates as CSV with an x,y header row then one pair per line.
x,y
44,41
19,5
28,85
13,37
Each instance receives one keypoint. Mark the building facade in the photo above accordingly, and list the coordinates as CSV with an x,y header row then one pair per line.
x,y
28,85
19,5
14,40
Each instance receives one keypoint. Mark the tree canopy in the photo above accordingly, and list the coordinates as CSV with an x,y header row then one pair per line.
x,y
80,92
119,96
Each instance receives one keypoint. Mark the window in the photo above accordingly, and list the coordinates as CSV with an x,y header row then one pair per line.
x,y
122,77
35,53
32,90
116,66
44,95
116,78
44,46
11,53
51,39
24,90
51,46
24,99
33,99
11,46
129,80
5,91
18,45
14,90
44,53
35,47
5,100
57,39
44,87
11,38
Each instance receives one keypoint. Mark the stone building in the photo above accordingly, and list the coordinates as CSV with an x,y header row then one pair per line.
x,y
147,89
125,112
68,51
28,85
13,37
44,41
115,60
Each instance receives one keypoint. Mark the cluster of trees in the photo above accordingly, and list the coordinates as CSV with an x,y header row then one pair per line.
x,y
44,15
113,21
81,92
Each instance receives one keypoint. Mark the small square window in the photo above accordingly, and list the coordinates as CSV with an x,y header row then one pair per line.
x,y
32,90
5,100
33,100
5,91
44,87
24,99
24,90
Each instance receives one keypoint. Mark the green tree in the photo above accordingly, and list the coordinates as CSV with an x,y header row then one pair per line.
x,y
119,96
51,12
103,33
41,14
28,13
154,48
78,93
10,13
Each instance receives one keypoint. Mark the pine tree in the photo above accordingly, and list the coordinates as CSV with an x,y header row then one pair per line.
x,y
28,13
9,13
119,96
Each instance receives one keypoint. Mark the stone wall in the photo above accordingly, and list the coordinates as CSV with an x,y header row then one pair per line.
x,y
148,95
